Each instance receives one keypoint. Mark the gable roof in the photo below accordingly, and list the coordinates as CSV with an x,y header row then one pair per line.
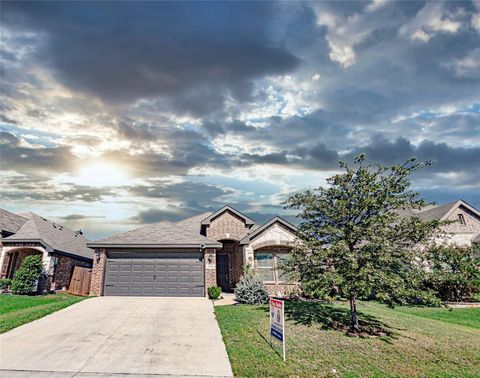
x,y
157,235
212,216
442,212
194,223
266,225
52,235
10,222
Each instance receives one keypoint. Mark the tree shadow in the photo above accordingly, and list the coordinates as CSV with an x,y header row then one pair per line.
x,y
330,317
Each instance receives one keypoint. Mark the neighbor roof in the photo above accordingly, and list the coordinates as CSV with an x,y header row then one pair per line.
x,y
437,212
157,235
53,235
10,222
246,219
263,227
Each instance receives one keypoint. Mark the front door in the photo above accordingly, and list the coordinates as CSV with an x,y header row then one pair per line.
x,y
223,273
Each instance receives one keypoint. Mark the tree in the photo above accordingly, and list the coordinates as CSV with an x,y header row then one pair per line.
x,y
356,241
455,273
27,275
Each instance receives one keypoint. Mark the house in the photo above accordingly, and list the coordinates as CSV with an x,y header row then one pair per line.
x,y
187,257
213,249
464,229
30,234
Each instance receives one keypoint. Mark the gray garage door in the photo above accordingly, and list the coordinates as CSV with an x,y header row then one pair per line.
x,y
166,274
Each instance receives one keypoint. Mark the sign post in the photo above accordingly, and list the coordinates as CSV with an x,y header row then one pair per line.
x,y
277,322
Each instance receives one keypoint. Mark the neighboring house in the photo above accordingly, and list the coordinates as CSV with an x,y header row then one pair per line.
x,y
29,234
187,257
465,227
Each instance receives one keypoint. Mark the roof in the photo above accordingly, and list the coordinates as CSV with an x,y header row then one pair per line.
x,y
263,227
157,235
212,216
437,212
53,235
10,222
194,223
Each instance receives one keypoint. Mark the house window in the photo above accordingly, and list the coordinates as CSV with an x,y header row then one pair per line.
x,y
270,266
461,219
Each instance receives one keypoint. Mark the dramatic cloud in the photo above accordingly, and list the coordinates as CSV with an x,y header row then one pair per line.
x,y
139,111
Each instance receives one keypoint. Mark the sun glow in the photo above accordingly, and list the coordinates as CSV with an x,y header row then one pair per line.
x,y
102,174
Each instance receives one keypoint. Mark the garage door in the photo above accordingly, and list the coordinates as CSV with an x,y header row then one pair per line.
x,y
170,274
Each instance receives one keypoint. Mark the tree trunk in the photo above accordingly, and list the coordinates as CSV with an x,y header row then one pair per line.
x,y
354,326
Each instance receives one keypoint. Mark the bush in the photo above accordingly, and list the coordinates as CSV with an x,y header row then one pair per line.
x,y
214,292
250,289
5,283
27,275
455,275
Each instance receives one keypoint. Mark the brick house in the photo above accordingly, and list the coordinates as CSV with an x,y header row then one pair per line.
x,y
30,234
187,257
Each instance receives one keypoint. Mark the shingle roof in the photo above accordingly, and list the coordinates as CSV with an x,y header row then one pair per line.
x,y
58,237
476,239
194,223
437,212
259,230
161,234
10,222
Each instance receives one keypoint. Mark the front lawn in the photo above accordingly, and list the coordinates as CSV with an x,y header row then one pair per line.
x,y
417,341
16,310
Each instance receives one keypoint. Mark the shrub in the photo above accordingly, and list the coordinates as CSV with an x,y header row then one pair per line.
x,y
214,292
27,275
250,289
455,275
5,283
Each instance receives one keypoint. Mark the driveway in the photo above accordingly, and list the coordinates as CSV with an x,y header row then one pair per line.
x,y
105,336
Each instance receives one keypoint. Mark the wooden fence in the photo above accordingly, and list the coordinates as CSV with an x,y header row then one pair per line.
x,y
80,282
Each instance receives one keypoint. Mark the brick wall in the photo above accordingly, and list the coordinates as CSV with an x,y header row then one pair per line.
x,y
227,226
210,263
98,269
64,270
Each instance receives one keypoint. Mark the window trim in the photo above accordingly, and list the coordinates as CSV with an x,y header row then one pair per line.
x,y
461,219
274,268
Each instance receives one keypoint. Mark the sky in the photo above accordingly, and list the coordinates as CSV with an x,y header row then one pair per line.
x,y
118,114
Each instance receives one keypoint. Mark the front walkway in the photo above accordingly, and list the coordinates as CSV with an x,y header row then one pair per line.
x,y
106,336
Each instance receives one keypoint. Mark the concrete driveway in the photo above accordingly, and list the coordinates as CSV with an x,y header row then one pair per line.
x,y
106,336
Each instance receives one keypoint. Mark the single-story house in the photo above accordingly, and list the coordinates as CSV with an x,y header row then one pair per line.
x,y
187,257
213,249
30,234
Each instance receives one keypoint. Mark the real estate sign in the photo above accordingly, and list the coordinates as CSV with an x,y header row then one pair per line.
x,y
277,321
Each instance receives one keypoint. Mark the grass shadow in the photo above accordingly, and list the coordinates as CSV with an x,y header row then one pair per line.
x,y
331,317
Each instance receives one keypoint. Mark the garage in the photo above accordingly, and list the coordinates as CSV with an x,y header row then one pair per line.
x,y
162,274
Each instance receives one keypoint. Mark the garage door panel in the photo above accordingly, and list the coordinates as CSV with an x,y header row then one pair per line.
x,y
154,274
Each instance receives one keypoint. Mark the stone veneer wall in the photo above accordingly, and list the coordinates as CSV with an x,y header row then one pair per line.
x,y
472,222
64,270
98,269
210,264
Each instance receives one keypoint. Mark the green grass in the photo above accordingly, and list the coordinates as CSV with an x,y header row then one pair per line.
x,y
419,341
469,317
16,310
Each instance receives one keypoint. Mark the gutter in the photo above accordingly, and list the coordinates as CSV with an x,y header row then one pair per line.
x,y
157,246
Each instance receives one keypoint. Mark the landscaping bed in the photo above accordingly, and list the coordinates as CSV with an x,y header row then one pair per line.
x,y
16,310
417,341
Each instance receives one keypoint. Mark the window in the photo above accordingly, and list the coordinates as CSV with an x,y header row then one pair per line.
x,y
461,219
265,266
270,266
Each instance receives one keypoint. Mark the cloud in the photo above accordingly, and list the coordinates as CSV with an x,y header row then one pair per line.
x,y
192,55
466,67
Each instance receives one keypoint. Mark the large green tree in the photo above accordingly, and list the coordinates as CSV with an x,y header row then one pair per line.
x,y
357,241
